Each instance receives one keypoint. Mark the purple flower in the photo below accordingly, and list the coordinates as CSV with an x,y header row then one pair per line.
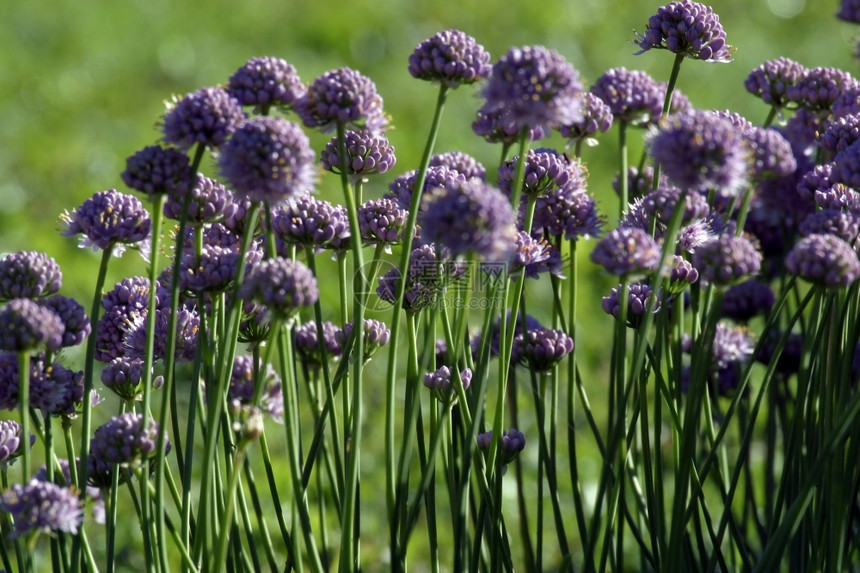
x,y
461,163
545,171
42,506
307,343
207,116
376,335
824,260
682,274
65,478
771,80
843,224
125,441
532,255
212,270
381,221
745,300
210,201
657,207
452,58
495,127
268,159
9,380
366,154
54,389
772,155
596,117
469,217
732,344
687,28
157,170
847,102
637,302
25,325
846,168
281,285
123,376
440,383
838,196
820,177
542,348
727,259
403,186
701,151
849,11
243,385
266,81
311,222
187,328
76,323
840,133
818,88
426,279
625,251
511,444
343,96
111,331
109,220
11,444
533,87
29,274
569,211
133,292
632,96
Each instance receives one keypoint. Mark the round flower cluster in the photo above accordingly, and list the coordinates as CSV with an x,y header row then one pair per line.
x,y
682,275
210,201
460,162
771,80
342,97
29,274
512,443
366,154
123,376
687,28
727,259
376,335
307,343
824,260
157,170
108,220
243,385
440,380
426,279
745,300
207,116
402,188
534,256
542,348
76,323
42,506
25,325
264,82
311,222
281,285
187,329
596,117
10,442
545,170
819,88
496,127
637,302
127,441
381,222
626,250
450,57
632,96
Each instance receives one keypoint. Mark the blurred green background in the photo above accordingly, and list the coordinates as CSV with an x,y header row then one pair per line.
x,y
83,85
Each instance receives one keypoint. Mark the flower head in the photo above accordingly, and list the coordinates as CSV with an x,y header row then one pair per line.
x,y
545,171
11,444
210,201
342,96
281,285
819,88
157,170
542,348
824,260
637,302
745,300
312,222
266,81
207,116
771,80
76,323
727,259
626,250
42,506
381,221
687,28
126,441
403,186
460,162
495,127
54,389
187,328
511,444
632,96
450,57
29,274
25,325
109,220
681,275
427,277
533,87
307,343
268,159
596,117
366,154
123,376
570,212
376,335
440,382
242,387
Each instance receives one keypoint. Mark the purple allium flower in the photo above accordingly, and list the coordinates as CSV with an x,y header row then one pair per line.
x,y
625,251
212,270
426,279
818,88
820,177
846,166
697,233
210,201
403,186
65,478
440,383
266,81
42,506
342,96
847,102
381,221
11,444
657,207
461,163
542,348
840,133
772,155
801,130
133,292
637,302
452,58
268,159
849,11
307,343
242,387
109,219
123,376
187,328
681,275
596,117
533,87
632,96
310,221
29,274
569,211
824,260
687,28
156,170
727,259
838,196
366,154
55,390
701,151
376,335
545,171
495,128
788,362
207,116
731,344
75,321
125,441
639,183
281,285
25,325
745,300
469,217
771,80
843,224
531,255
111,331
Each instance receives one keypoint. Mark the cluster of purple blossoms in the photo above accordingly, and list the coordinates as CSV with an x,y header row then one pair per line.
x,y
212,270
376,335
265,82
633,96
451,58
596,117
64,477
681,275
76,323
771,155
54,389
123,376
342,97
207,117
311,222
569,212
656,208
29,274
126,306
402,188
625,251
638,295
109,220
427,277
243,386
818,178
40,506
25,325
532,87
701,151
268,159
843,224
727,259
771,80
381,222
743,301
187,330
495,128
209,202
440,383
460,162
839,197
366,154
840,133
689,29
281,285
545,171
124,441
512,443
825,260
849,11
471,217
157,170
819,88
534,256
11,444
733,346
542,348
308,343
